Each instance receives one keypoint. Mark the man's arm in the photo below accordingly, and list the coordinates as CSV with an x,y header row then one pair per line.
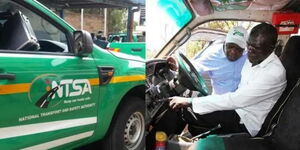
x,y
254,92
207,61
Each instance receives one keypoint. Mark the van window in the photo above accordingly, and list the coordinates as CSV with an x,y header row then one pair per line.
x,y
205,34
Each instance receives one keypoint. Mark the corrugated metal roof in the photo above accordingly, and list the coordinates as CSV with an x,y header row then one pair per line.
x,y
92,3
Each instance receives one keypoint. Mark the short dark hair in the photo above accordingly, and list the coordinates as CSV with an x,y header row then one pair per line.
x,y
98,36
267,30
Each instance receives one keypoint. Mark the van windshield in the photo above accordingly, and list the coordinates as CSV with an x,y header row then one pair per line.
x,y
164,19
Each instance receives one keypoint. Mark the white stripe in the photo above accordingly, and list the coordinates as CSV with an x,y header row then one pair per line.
x,y
15,131
61,141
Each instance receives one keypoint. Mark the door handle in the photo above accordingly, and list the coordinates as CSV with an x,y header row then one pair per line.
x,y
105,74
7,76
136,49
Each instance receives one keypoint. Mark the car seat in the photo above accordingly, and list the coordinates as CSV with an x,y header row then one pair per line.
x,y
290,60
17,34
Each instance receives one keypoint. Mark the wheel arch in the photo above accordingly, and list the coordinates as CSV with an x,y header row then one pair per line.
x,y
137,91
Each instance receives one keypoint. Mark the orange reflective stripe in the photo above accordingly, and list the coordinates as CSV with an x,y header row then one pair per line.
x,y
94,81
128,78
25,87
14,88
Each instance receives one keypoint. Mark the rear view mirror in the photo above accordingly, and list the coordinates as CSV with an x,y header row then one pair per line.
x,y
83,43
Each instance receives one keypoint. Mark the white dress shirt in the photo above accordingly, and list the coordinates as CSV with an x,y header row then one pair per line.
x,y
258,91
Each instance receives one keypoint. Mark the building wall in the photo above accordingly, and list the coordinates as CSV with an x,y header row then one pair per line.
x,y
92,22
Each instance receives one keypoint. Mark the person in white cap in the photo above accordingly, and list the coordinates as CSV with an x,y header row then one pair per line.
x,y
223,61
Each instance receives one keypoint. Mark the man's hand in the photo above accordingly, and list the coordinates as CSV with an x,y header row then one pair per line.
x,y
179,102
172,63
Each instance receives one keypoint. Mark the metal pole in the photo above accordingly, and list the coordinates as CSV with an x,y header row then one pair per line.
x,y
81,19
105,22
130,24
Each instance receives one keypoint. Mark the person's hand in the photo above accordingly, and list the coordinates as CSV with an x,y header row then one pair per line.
x,y
172,63
179,102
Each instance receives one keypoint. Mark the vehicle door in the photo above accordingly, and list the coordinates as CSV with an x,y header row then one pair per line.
x,y
48,95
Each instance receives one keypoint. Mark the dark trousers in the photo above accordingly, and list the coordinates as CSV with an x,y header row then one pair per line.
x,y
173,122
229,121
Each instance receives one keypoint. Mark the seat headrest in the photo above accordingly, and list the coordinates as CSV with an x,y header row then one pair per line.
x,y
291,53
18,33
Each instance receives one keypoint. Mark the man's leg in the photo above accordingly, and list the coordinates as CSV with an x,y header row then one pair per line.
x,y
229,121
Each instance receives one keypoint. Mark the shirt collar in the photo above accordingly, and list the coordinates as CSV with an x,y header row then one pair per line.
x,y
270,58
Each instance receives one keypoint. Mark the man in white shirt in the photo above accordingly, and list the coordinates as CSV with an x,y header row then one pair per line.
x,y
262,82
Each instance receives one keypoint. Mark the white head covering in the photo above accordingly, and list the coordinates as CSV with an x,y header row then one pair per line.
x,y
237,35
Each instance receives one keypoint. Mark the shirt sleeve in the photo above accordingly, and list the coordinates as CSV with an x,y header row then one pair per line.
x,y
262,88
207,61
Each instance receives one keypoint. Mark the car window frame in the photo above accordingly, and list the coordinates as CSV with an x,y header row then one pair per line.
x,y
172,52
68,34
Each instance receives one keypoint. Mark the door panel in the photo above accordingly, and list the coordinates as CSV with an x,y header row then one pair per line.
x,y
28,111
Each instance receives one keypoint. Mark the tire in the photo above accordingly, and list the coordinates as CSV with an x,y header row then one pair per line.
x,y
127,130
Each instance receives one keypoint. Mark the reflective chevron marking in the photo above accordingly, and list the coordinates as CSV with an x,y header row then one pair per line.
x,y
61,141
15,131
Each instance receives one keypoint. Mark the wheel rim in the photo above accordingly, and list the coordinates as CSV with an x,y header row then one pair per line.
x,y
134,130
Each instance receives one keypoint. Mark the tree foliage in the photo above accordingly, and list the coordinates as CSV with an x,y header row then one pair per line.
x,y
116,20
194,47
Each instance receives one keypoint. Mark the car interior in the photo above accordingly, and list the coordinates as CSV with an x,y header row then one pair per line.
x,y
280,128
17,34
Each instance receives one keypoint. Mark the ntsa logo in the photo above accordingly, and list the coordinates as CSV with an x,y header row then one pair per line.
x,y
49,90
70,88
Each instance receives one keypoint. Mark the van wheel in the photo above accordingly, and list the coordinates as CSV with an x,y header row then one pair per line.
x,y
128,127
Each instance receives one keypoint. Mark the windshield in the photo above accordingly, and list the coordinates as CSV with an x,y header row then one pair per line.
x,y
164,19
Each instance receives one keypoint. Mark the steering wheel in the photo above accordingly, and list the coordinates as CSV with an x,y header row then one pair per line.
x,y
189,77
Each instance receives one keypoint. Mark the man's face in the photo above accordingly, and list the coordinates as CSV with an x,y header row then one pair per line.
x,y
233,51
258,49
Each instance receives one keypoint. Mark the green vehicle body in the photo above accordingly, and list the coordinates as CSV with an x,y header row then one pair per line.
x,y
136,48
123,37
83,107
131,48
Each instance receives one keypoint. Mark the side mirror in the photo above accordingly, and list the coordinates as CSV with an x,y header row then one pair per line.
x,y
83,43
